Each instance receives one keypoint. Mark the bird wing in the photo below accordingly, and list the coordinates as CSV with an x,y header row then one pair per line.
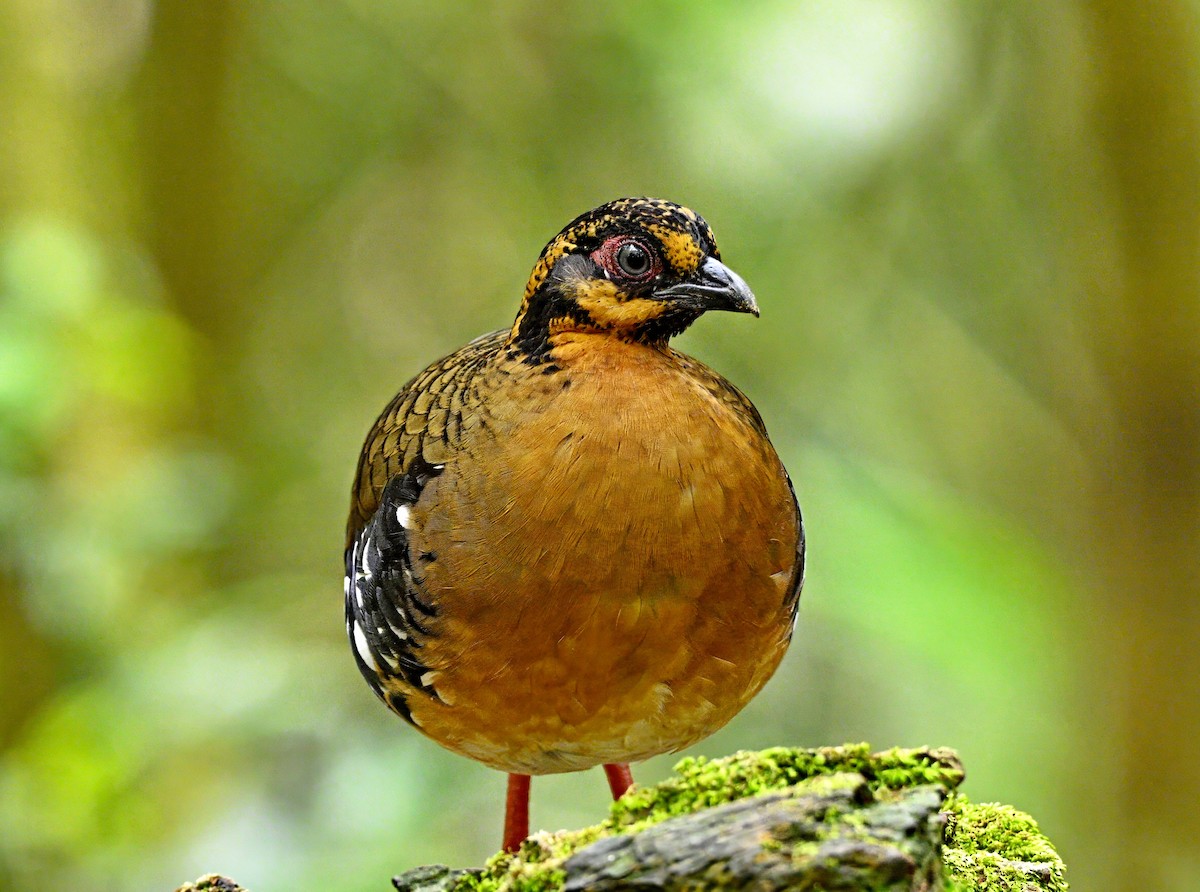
x,y
425,419
389,613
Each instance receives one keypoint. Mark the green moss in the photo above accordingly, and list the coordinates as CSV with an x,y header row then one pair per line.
x,y
517,876
995,848
535,867
991,827
702,783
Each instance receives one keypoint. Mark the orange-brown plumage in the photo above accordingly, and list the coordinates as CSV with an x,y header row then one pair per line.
x,y
570,544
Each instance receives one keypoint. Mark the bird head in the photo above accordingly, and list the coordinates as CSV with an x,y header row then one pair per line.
x,y
641,269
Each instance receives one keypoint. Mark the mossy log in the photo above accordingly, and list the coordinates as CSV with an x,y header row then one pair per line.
x,y
826,832
836,818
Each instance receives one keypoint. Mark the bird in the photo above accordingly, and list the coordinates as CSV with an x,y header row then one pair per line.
x,y
570,544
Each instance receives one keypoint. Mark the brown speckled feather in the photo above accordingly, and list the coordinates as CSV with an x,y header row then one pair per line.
x,y
426,418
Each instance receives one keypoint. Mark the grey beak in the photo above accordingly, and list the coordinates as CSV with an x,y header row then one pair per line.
x,y
714,286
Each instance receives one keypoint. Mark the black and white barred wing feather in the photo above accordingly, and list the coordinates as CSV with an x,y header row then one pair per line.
x,y
388,612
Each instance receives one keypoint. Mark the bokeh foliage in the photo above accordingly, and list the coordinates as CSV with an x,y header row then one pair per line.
x,y
229,230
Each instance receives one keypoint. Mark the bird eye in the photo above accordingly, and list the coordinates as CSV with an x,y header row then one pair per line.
x,y
627,259
633,258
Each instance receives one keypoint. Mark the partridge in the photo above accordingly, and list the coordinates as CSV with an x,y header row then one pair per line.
x,y
569,544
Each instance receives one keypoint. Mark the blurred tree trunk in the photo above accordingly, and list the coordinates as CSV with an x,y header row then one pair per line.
x,y
187,165
41,174
1147,536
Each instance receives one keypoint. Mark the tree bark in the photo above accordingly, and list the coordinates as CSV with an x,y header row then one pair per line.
x,y
784,840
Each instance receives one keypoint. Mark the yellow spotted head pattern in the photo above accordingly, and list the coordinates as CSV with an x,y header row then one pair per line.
x,y
638,268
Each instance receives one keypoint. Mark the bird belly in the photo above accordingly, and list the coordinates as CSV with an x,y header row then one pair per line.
x,y
619,596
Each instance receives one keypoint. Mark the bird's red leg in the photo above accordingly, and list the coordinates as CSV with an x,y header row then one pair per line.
x,y
516,812
620,778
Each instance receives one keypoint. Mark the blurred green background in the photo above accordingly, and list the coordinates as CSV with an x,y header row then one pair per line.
x,y
230,230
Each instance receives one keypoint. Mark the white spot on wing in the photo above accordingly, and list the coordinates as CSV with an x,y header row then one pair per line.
x,y
404,516
427,679
363,568
363,648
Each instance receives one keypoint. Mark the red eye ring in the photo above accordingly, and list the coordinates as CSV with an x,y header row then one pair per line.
x,y
628,259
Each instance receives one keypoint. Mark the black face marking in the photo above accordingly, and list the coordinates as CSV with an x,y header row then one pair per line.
x,y
554,302
668,325
388,611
